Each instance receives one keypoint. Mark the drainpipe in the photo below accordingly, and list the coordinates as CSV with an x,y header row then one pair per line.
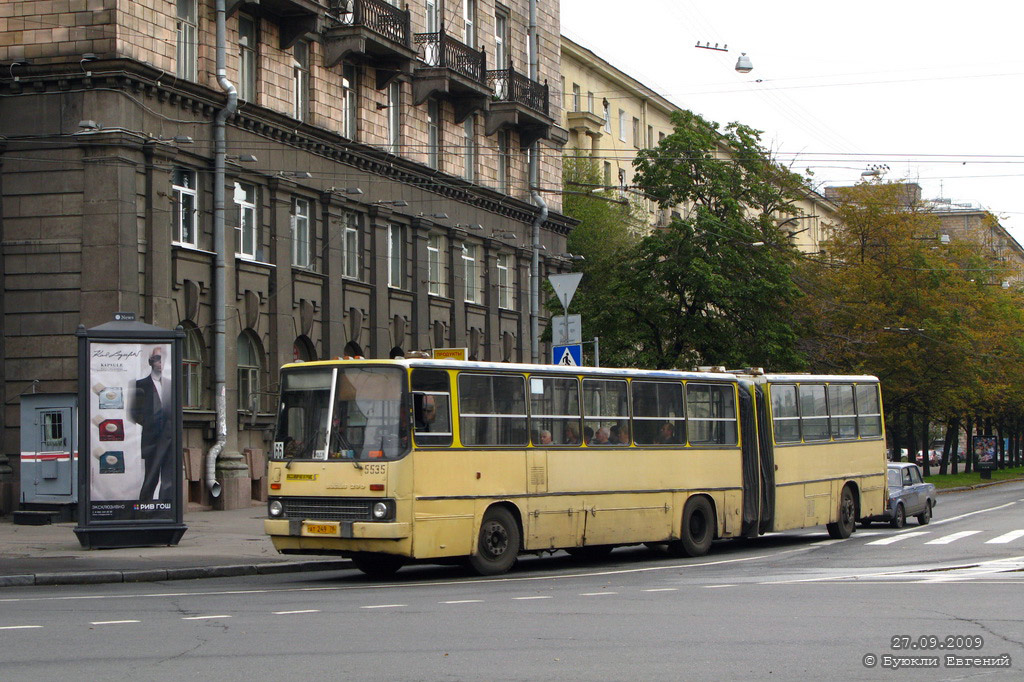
x,y
542,215
219,303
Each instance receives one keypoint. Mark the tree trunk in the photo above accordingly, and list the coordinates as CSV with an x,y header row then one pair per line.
x,y
949,445
925,443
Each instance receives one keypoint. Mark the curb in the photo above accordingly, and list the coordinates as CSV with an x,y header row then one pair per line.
x,y
962,488
161,574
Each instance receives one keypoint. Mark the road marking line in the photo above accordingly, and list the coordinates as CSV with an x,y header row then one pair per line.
x,y
867,533
205,617
595,594
1007,537
662,589
288,613
113,622
896,538
952,538
383,606
20,627
462,601
522,598
711,587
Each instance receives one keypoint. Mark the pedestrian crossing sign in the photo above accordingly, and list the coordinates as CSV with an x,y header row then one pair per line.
x,y
569,356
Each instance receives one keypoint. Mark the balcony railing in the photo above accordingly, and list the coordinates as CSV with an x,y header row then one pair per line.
x,y
379,16
511,86
440,49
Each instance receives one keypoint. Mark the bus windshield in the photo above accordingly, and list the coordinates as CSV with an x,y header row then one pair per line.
x,y
338,413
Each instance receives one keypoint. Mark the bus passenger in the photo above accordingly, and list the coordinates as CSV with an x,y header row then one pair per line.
x,y
572,435
667,433
545,437
588,435
623,434
602,437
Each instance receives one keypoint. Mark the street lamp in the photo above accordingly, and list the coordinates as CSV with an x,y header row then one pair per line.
x,y
743,64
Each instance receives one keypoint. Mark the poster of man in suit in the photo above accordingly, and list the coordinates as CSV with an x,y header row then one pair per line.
x,y
132,471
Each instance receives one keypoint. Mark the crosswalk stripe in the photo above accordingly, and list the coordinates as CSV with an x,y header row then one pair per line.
x,y
1005,538
896,538
952,538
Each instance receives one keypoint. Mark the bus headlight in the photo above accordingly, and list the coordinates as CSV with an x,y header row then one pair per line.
x,y
380,510
276,508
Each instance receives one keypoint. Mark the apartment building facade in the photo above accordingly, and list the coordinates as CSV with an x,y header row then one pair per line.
x,y
611,116
377,197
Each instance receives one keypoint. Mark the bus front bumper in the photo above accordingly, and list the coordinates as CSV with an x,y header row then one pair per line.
x,y
355,530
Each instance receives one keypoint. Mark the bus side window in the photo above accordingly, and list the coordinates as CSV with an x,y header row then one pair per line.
x,y
431,402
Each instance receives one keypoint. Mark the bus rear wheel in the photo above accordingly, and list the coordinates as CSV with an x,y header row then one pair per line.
x,y
497,544
698,529
378,565
843,528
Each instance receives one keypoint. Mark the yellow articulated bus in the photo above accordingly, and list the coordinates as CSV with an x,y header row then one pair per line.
x,y
391,461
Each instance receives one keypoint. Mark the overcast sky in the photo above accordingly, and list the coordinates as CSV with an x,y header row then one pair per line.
x,y
930,88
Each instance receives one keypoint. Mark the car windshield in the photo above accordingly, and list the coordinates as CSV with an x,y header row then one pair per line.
x,y
342,413
895,478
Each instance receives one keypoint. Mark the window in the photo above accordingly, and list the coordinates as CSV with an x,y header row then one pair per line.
x,y
396,243
784,414
349,101
192,370
247,231
492,409
607,117
300,80
472,268
650,137
300,233
661,137
469,144
658,413
437,264
869,411
394,116
431,407
186,29
250,367
500,40
469,17
506,281
813,412
590,102
606,412
622,125
247,44
577,94
503,161
607,173
53,431
842,411
350,246
636,132
554,411
433,132
711,414
186,213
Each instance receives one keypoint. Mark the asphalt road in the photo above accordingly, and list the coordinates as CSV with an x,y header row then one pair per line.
x,y
789,606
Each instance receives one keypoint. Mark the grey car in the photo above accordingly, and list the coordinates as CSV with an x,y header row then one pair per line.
x,y
909,495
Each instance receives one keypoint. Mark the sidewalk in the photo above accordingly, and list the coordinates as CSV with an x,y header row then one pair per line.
x,y
216,544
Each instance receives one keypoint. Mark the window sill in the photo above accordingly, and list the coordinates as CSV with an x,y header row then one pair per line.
x,y
252,261
189,247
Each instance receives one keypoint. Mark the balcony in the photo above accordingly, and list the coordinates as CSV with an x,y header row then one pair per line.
x,y
372,32
295,18
519,103
451,70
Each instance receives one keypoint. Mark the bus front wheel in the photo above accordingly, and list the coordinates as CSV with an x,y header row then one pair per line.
x,y
497,544
378,565
698,529
843,528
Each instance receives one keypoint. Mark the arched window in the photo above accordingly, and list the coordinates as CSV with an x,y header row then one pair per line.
x,y
303,349
192,369
250,368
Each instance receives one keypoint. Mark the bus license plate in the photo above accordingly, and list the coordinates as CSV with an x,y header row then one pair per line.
x,y
321,528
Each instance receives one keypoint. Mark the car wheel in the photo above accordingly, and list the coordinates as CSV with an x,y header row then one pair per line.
x,y
924,517
899,517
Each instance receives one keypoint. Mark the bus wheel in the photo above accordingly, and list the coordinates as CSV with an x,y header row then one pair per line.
x,y
590,552
378,565
498,543
843,528
698,529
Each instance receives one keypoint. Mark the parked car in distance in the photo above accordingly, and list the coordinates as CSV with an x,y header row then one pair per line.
x,y
909,495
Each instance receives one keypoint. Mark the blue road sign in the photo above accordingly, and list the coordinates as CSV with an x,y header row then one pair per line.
x,y
571,355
